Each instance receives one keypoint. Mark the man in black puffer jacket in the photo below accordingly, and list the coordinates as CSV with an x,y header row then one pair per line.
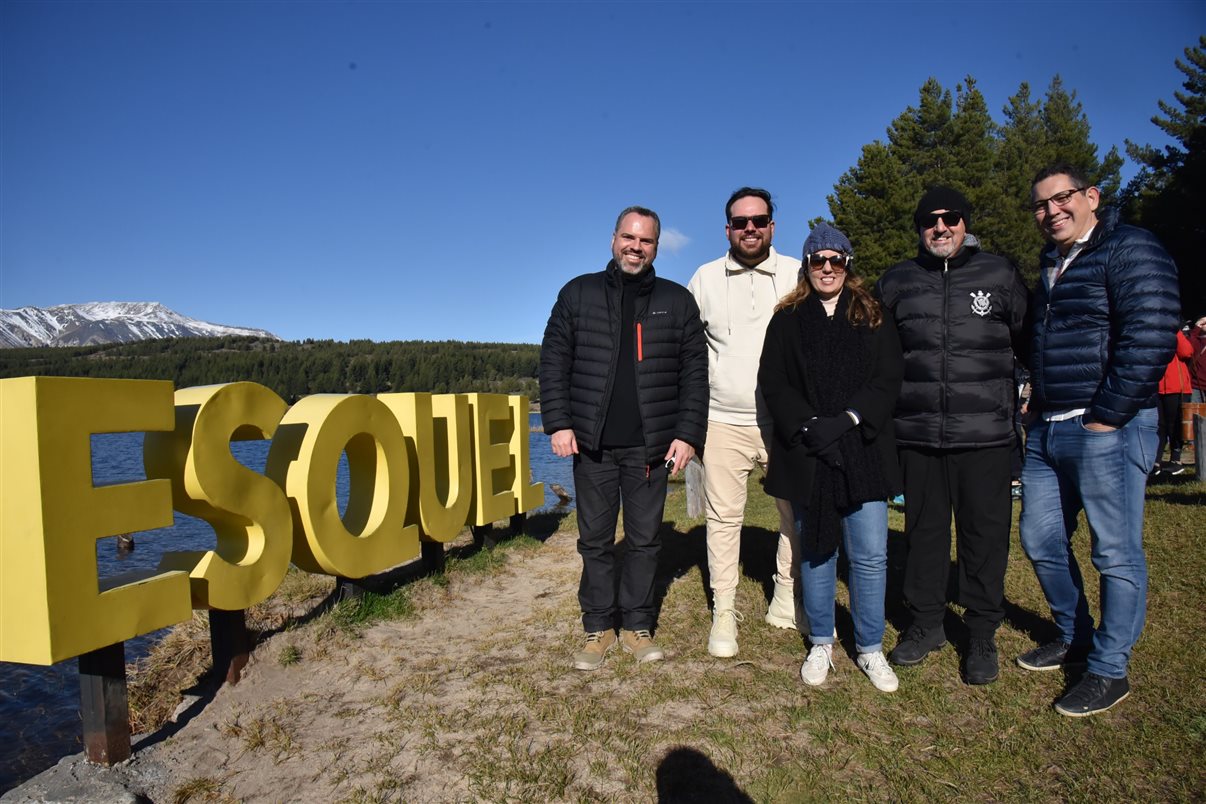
x,y
960,314
1106,316
624,390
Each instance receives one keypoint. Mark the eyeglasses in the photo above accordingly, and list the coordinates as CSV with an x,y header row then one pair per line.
x,y
739,222
837,262
1059,199
951,218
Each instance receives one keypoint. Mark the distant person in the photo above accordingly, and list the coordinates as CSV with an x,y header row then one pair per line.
x,y
1173,391
624,390
737,295
960,314
1108,293
1197,363
830,371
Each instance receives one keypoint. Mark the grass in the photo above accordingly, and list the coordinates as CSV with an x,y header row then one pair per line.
x,y
750,726
525,727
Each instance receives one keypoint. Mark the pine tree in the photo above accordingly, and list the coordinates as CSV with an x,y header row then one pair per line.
x,y
1163,197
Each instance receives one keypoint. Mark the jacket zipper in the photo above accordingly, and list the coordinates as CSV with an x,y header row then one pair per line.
x,y
946,304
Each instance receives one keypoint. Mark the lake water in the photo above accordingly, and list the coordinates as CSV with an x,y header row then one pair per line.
x,y
39,706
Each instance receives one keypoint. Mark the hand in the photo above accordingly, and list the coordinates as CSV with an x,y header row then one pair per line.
x,y
682,453
564,443
1098,427
830,456
820,433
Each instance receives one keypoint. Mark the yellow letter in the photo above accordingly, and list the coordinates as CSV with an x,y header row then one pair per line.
x,y
372,535
437,432
528,496
493,472
249,513
52,604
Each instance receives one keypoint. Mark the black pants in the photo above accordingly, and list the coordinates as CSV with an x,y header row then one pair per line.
x,y
974,483
1170,423
603,478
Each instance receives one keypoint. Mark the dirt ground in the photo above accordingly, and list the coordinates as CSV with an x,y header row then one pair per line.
x,y
332,724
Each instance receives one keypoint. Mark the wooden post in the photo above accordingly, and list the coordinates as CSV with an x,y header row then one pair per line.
x,y
695,488
432,555
230,643
1199,446
483,536
104,707
347,589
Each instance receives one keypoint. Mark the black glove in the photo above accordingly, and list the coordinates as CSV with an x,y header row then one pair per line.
x,y
831,456
820,433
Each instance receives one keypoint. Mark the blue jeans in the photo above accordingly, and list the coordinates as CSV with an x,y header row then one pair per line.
x,y
1069,469
865,537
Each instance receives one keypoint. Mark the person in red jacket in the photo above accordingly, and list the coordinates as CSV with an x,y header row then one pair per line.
x,y
1174,391
1197,363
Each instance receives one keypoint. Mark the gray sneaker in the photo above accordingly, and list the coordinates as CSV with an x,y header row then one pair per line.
x,y
598,644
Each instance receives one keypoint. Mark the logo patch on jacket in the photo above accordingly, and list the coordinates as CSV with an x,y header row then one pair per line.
x,y
981,305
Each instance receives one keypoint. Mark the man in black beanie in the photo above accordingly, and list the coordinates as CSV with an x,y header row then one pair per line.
x,y
960,315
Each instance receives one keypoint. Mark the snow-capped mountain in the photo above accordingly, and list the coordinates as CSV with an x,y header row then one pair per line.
x,y
105,322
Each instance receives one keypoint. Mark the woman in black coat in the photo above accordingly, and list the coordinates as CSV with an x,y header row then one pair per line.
x,y
830,373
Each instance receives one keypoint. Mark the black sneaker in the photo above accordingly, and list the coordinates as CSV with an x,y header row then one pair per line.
x,y
980,664
1172,468
1092,694
917,643
1053,656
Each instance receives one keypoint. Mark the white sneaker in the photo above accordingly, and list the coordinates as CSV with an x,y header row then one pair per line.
x,y
722,640
878,670
816,667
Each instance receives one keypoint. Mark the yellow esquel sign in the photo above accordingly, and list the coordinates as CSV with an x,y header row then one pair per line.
x,y
421,467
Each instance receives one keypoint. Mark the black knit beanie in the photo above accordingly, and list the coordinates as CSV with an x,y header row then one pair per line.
x,y
942,198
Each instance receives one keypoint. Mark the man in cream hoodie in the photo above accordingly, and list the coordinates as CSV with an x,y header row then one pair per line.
x,y
736,295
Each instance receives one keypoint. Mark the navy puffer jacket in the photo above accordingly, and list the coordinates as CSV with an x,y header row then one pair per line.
x,y
960,321
582,345
1104,334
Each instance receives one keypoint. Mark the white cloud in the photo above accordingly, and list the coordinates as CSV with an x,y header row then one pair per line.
x,y
673,240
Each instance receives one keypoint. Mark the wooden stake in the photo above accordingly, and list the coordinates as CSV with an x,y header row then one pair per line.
x,y
104,705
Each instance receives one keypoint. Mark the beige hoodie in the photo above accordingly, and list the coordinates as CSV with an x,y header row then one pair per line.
x,y
736,304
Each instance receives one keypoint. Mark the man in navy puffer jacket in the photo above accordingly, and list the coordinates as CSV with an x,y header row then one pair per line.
x,y
1106,313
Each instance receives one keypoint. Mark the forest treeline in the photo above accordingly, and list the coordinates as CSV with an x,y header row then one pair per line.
x,y
951,139
298,368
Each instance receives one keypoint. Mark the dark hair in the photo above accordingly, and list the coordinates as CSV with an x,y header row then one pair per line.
x,y
1076,174
744,192
644,212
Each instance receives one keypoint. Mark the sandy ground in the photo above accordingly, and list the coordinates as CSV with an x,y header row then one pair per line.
x,y
329,727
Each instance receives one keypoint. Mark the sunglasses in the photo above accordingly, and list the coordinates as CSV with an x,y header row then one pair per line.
x,y
951,218
739,222
837,262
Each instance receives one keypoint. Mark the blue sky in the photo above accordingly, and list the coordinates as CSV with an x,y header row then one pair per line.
x,y
437,171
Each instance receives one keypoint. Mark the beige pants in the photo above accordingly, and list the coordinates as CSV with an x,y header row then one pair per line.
x,y
729,456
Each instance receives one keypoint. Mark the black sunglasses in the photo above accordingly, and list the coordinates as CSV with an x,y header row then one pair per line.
x,y
739,222
838,262
951,218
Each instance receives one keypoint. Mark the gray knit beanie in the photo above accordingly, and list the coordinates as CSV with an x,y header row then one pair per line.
x,y
823,236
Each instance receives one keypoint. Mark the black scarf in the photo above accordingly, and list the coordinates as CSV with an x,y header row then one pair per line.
x,y
837,364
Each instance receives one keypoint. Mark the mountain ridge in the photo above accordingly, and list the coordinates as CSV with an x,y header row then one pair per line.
x,y
92,323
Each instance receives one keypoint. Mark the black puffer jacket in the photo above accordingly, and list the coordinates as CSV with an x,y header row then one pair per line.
x,y
582,344
1104,334
960,322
